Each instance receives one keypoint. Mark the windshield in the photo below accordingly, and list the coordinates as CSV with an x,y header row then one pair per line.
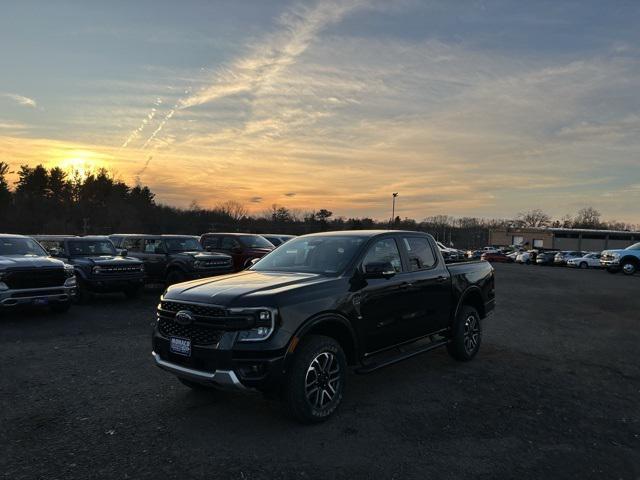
x,y
255,241
635,246
183,244
88,248
21,246
326,255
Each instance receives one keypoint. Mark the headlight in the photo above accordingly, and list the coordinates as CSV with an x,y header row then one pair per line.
x,y
96,269
265,324
615,255
68,271
3,286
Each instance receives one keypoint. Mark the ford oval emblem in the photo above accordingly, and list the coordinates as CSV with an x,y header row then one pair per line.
x,y
184,317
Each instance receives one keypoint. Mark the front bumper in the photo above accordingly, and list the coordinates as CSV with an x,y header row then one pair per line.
x,y
113,284
221,365
610,262
37,296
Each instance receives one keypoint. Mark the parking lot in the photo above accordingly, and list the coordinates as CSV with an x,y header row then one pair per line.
x,y
553,393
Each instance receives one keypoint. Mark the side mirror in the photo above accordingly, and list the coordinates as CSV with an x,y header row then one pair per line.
x,y
379,270
124,252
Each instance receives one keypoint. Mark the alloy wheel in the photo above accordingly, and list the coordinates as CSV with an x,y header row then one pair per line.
x,y
629,268
471,333
322,380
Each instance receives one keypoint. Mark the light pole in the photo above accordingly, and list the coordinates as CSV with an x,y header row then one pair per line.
x,y
393,208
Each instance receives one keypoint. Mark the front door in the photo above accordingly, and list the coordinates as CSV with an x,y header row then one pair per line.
x,y
154,256
386,314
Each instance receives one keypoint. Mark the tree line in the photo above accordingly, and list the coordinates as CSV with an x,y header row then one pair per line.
x,y
52,201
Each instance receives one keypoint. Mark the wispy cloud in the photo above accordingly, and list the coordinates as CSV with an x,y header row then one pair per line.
x,y
20,99
145,121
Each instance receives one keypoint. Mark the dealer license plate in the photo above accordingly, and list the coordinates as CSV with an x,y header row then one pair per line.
x,y
41,301
181,346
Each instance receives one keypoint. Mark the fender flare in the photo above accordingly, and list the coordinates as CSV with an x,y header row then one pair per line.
x,y
314,321
472,289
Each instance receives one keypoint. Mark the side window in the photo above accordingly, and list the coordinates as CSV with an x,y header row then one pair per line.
x,y
228,243
132,244
384,250
153,245
211,242
50,246
420,253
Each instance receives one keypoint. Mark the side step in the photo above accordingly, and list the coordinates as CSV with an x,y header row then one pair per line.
x,y
402,354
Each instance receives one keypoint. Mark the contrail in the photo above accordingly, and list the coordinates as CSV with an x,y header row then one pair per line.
x,y
144,123
146,164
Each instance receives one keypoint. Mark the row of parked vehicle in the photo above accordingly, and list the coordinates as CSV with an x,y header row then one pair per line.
x,y
53,270
621,260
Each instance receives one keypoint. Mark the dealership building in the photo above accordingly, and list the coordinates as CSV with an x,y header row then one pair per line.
x,y
563,238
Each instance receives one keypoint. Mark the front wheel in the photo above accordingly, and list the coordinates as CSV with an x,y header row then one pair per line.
x,y
584,265
629,267
466,335
315,383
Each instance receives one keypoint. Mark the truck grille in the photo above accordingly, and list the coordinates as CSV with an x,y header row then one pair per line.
x,y
198,334
111,270
199,310
34,278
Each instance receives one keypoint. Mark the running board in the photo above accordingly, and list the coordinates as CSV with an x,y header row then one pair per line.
x,y
401,355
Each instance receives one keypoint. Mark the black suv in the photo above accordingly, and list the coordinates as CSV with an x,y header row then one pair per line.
x,y
292,322
173,258
98,266
28,276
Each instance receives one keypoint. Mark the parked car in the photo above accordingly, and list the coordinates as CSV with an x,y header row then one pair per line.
x,y
449,254
527,257
293,321
590,260
498,257
28,276
474,254
173,258
490,249
97,265
562,257
546,258
277,239
626,260
243,247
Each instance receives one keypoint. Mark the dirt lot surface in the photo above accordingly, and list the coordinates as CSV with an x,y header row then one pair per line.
x,y
554,393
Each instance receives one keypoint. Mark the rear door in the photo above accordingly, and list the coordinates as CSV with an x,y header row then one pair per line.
x,y
430,284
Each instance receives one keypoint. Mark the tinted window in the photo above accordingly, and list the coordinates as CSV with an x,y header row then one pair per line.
x,y
420,253
154,245
317,254
91,247
255,241
228,243
132,244
211,242
275,240
187,244
384,250
52,246
21,246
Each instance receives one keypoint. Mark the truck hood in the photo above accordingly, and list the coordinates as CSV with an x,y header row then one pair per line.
x,y
226,290
198,255
28,261
105,260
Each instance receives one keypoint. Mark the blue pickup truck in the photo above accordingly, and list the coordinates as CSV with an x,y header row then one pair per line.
x,y
626,260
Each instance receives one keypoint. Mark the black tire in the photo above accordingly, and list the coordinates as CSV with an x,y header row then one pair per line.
x,y
61,307
466,335
320,361
133,292
198,387
175,276
629,267
584,265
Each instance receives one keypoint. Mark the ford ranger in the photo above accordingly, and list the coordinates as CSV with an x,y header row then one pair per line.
x,y
28,276
292,323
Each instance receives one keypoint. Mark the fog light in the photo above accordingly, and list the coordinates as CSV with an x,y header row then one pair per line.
x,y
3,287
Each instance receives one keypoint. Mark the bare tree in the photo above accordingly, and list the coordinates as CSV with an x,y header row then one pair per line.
x,y
533,218
587,217
236,210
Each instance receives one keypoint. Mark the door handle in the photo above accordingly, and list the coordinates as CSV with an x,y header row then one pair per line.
x,y
406,285
441,279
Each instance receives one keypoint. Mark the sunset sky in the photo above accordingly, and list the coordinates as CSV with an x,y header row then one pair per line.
x,y
481,108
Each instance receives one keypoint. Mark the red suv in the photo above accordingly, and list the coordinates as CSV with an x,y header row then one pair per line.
x,y
243,247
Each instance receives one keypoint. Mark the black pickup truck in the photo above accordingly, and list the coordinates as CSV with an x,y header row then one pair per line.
x,y
97,265
294,321
173,258
28,276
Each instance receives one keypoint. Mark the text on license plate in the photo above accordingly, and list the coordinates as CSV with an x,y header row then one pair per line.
x,y
40,301
181,346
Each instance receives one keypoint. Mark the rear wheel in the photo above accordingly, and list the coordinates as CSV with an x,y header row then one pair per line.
x,y
466,334
584,265
315,384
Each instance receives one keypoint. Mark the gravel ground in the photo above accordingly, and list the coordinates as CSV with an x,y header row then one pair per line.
x,y
554,393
